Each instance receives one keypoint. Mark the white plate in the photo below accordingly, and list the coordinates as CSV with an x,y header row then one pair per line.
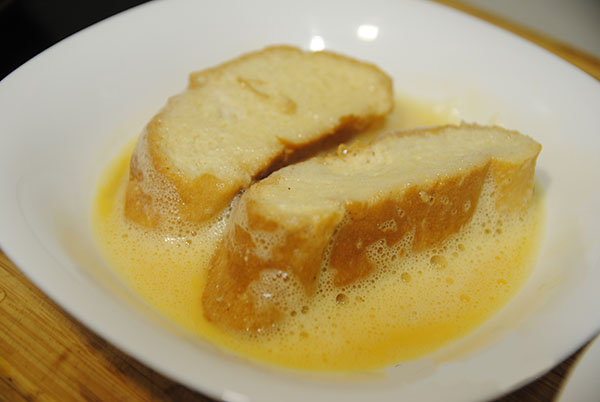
x,y
64,114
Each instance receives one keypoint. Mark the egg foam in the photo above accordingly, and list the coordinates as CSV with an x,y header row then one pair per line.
x,y
412,304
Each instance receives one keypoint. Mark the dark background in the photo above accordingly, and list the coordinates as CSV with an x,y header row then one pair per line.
x,y
27,27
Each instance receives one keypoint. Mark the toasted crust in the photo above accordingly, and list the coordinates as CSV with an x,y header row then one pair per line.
x,y
236,123
360,197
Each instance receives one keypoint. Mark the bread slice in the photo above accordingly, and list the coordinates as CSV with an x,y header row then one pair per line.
x,y
238,121
425,184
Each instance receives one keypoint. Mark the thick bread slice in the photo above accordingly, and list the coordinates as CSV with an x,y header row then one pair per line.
x,y
238,120
424,183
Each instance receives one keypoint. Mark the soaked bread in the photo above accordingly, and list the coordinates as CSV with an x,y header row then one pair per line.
x,y
241,120
408,191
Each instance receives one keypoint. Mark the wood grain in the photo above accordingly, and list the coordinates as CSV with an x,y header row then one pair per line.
x,y
46,355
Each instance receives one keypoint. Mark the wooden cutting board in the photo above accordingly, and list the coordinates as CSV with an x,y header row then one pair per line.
x,y
47,355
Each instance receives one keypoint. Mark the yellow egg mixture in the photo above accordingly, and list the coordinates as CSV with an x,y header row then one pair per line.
x,y
410,307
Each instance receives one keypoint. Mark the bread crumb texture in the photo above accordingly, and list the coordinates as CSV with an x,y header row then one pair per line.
x,y
240,120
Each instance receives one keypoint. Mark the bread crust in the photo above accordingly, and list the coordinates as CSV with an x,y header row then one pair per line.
x,y
430,212
199,198
228,298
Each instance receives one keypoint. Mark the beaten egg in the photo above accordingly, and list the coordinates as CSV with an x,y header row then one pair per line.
x,y
410,306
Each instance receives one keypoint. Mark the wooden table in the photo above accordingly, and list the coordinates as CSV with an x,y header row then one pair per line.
x,y
47,355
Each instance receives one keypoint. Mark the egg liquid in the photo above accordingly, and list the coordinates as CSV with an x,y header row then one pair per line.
x,y
411,306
